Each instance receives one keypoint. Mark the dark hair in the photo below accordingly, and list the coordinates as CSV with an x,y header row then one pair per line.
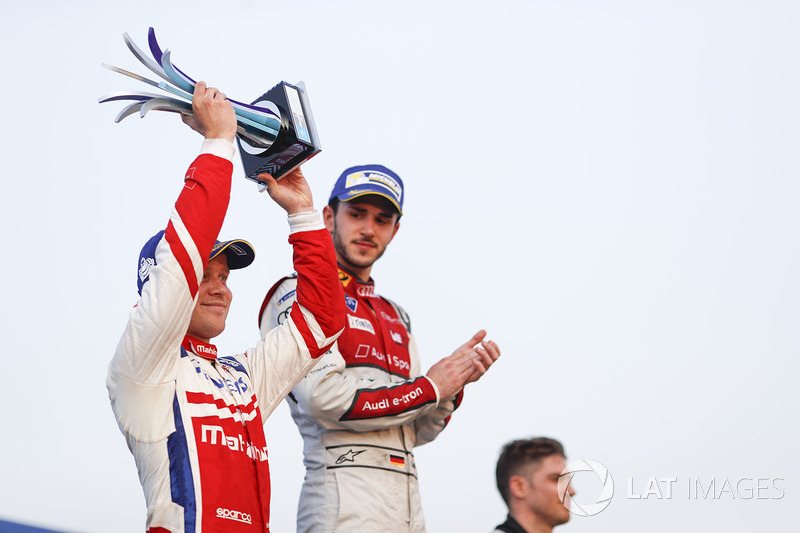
x,y
334,204
518,454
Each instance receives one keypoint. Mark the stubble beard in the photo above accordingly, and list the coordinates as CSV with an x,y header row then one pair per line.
x,y
350,259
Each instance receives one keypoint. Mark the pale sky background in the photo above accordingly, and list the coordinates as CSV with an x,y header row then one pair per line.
x,y
609,187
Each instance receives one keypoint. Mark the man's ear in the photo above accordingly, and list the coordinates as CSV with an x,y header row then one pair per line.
x,y
327,216
517,486
396,227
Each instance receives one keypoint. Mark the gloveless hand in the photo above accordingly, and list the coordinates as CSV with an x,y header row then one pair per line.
x,y
291,192
213,115
467,364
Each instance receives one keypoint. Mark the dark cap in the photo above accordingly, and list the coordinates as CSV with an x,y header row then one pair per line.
x,y
239,252
369,179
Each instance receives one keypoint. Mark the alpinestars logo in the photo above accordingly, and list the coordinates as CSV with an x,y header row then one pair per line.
x,y
349,456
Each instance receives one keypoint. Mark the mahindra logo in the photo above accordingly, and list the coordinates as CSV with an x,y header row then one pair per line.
x,y
215,435
202,348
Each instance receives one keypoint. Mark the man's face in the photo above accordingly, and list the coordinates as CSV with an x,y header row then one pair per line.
x,y
541,491
361,229
213,301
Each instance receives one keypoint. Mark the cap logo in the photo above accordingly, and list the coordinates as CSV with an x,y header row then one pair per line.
x,y
238,249
144,268
376,178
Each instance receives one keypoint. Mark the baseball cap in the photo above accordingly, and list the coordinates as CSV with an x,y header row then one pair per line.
x,y
369,179
239,252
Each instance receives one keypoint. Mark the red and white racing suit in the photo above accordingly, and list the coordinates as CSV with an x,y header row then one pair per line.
x,y
361,411
193,420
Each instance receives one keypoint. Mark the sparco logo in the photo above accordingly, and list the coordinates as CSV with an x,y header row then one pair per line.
x,y
234,515
602,501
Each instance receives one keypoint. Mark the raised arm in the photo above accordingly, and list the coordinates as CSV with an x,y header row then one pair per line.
x,y
285,354
160,319
143,365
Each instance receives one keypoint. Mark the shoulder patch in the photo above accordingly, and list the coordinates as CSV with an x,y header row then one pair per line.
x,y
270,293
286,297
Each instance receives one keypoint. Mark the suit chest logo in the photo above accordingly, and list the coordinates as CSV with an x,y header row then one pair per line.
x,y
234,364
361,323
365,291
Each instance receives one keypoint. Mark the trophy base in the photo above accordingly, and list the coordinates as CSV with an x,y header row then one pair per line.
x,y
296,142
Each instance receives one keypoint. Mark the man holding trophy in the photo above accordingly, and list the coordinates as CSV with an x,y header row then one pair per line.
x,y
193,419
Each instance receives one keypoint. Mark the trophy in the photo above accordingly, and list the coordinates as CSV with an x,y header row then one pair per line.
x,y
276,133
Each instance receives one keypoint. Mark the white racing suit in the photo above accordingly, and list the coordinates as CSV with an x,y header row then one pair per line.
x,y
194,421
361,411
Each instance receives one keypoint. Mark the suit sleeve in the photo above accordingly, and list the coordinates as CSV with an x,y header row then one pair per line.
x,y
338,400
428,426
142,372
286,353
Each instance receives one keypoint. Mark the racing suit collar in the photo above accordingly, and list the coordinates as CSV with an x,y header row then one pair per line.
x,y
197,347
510,526
352,284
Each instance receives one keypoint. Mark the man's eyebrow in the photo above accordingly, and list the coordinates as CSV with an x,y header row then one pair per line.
x,y
386,213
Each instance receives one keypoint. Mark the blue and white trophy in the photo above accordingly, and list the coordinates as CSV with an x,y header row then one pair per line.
x,y
276,133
